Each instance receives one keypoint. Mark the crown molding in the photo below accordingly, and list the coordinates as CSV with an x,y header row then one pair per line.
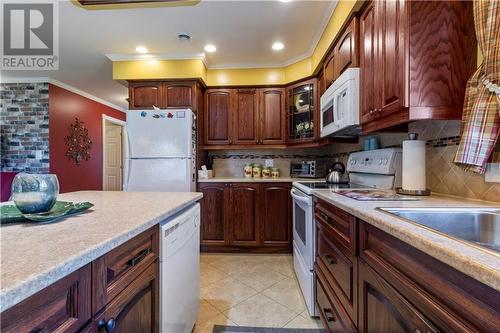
x,y
45,79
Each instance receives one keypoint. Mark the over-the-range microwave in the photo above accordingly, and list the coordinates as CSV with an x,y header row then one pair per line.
x,y
339,106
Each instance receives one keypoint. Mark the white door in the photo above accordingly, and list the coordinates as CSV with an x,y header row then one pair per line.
x,y
159,133
159,175
113,157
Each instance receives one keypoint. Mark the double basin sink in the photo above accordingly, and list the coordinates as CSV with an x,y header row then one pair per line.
x,y
479,226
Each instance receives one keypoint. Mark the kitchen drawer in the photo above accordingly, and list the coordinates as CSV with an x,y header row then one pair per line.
x,y
341,224
340,270
61,307
115,270
334,317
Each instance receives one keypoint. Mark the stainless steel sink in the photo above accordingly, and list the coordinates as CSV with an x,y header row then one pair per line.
x,y
480,226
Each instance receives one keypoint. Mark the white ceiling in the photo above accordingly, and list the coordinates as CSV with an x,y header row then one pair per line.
x,y
242,31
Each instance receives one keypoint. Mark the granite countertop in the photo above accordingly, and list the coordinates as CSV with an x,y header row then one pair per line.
x,y
33,256
482,265
254,180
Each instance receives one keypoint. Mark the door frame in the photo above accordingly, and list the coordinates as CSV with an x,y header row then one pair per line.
x,y
123,124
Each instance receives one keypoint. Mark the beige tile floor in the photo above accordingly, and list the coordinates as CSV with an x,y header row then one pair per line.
x,y
250,290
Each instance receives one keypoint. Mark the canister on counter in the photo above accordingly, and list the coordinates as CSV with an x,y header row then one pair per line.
x,y
266,172
248,170
275,172
257,170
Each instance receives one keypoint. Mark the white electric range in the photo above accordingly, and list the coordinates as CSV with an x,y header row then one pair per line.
x,y
374,169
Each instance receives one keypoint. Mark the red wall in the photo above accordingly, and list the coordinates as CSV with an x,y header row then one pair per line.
x,y
64,107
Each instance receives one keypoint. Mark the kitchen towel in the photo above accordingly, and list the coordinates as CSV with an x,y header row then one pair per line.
x,y
481,114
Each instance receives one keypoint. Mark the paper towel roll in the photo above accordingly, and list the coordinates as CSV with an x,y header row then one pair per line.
x,y
414,165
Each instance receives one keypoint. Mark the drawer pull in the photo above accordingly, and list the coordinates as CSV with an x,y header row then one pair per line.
x,y
41,330
331,260
329,315
137,259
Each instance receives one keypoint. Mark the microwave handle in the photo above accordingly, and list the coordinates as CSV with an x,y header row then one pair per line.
x,y
300,198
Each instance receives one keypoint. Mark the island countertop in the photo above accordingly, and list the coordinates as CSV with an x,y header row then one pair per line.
x,y
33,256
473,261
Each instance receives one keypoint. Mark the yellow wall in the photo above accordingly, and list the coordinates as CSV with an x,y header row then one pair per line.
x,y
175,69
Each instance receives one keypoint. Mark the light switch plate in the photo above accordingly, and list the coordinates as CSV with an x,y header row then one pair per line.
x,y
269,163
492,174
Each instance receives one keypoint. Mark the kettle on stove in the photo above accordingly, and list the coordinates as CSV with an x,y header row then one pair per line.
x,y
337,174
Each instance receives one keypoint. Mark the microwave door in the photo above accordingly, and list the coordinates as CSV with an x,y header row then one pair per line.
x,y
342,108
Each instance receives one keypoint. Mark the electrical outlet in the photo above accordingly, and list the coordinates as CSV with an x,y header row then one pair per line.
x,y
269,163
492,174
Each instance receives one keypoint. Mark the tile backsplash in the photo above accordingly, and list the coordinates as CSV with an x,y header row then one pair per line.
x,y
443,176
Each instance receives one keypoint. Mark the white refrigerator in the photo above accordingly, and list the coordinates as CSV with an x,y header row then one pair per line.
x,y
160,150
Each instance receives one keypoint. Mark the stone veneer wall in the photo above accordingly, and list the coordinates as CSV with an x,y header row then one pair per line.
x,y
443,176
24,127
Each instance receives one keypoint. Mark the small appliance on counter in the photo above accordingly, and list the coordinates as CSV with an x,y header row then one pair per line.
x,y
368,170
414,173
307,169
337,174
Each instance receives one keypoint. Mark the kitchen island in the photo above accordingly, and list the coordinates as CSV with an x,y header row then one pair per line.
x,y
36,256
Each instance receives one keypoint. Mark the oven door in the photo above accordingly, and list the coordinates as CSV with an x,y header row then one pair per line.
x,y
303,227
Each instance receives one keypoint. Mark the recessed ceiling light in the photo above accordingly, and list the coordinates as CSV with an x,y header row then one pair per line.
x,y
210,48
285,0
141,49
278,46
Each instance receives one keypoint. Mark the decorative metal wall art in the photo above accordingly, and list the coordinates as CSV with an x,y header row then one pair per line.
x,y
78,142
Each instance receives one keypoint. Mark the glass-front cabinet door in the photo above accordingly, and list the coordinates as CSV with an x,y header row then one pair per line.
x,y
302,107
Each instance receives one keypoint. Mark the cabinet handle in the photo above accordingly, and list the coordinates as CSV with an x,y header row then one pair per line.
x,y
40,330
137,259
106,326
230,141
331,260
329,315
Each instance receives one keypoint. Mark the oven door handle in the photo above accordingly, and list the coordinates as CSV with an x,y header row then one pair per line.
x,y
300,198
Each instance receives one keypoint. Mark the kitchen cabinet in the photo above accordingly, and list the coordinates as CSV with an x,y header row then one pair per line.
x,y
162,94
329,70
373,282
218,117
245,217
303,113
145,95
245,213
245,117
411,66
276,214
117,292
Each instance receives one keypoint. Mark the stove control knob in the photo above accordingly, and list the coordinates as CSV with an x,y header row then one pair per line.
x,y
380,161
386,161
353,162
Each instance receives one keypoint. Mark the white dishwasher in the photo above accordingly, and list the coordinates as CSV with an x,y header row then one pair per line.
x,y
180,271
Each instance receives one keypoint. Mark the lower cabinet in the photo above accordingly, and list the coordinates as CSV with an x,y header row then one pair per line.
x,y
246,217
118,292
387,285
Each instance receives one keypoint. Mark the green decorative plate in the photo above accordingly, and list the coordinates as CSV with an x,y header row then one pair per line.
x,y
10,213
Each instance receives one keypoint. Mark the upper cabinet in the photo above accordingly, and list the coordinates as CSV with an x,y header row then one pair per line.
x,y
218,116
252,116
302,112
145,95
162,94
415,60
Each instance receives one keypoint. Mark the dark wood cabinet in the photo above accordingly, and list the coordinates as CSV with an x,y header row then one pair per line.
x,y
245,212
136,308
61,307
411,65
329,70
386,285
118,289
214,204
245,217
179,95
346,48
383,309
245,116
303,112
272,116
276,214
218,117
145,95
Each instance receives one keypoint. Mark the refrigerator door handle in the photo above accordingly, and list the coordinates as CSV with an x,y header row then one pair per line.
x,y
126,174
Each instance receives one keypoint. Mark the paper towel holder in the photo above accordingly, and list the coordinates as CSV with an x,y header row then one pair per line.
x,y
400,190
